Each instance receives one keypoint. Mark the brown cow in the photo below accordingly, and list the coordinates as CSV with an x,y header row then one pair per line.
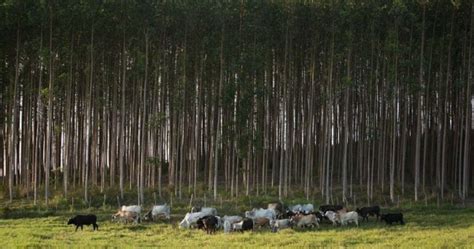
x,y
301,220
261,222
126,216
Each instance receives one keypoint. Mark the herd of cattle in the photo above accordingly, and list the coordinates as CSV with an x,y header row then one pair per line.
x,y
275,217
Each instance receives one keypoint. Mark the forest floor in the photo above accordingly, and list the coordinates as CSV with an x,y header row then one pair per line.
x,y
426,227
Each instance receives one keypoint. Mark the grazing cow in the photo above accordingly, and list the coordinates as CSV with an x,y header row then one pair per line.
x,y
366,211
332,216
256,213
391,218
133,208
191,219
244,225
260,222
280,224
81,220
301,220
126,216
295,208
307,208
156,211
349,217
334,208
208,223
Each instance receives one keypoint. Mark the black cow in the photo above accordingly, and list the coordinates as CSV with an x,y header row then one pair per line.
x,y
247,224
80,220
208,223
286,215
334,208
391,218
366,211
319,215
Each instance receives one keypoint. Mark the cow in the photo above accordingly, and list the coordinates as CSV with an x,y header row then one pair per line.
x,y
191,218
209,210
232,219
208,223
244,225
260,222
229,221
227,226
301,220
256,213
332,216
126,216
349,217
280,224
334,208
366,211
81,220
295,208
156,211
307,208
319,215
393,217
286,215
133,208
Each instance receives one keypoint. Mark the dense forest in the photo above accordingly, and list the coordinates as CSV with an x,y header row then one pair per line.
x,y
322,98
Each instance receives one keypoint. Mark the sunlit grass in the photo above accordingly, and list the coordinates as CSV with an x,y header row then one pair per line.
x,y
425,227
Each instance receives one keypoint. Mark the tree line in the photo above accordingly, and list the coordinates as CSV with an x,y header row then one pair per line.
x,y
247,97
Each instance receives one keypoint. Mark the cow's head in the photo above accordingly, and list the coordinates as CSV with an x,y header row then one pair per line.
x,y
147,216
249,214
71,221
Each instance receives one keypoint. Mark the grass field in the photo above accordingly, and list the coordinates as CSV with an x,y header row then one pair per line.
x,y
426,227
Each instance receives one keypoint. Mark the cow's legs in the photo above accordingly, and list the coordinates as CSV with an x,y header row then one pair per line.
x,y
77,227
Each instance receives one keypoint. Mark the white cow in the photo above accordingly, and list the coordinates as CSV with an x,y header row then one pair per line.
x,y
158,210
301,220
133,208
295,208
209,210
232,219
280,224
349,217
332,216
227,226
307,208
229,221
236,226
261,213
191,218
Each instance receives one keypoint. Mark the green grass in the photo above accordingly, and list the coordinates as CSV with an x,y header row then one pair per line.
x,y
426,227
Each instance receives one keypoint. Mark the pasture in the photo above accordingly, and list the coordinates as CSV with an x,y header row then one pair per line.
x,y
426,227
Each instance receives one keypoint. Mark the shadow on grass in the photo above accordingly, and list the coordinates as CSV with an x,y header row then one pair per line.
x,y
138,228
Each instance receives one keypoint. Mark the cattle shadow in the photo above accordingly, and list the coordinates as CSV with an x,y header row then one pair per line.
x,y
137,228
